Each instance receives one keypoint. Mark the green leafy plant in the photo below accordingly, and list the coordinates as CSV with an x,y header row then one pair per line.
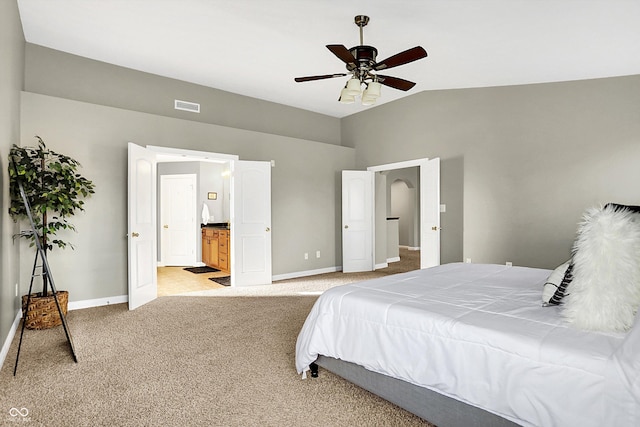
x,y
55,191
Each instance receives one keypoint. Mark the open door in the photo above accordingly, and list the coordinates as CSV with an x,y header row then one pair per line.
x,y
357,221
251,223
143,279
430,213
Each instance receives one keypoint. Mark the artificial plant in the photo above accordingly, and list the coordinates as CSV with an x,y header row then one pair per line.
x,y
55,191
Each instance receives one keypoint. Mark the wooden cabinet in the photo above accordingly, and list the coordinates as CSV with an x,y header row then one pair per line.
x,y
210,247
215,248
223,250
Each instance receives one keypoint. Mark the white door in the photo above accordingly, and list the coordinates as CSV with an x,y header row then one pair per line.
x,y
143,280
178,219
251,223
357,221
430,213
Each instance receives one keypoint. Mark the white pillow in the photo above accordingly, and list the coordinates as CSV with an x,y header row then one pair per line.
x,y
605,292
553,282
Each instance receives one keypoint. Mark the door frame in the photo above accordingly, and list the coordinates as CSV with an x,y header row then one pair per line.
x,y
169,154
422,165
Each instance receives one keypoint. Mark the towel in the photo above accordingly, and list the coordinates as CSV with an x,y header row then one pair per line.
x,y
205,213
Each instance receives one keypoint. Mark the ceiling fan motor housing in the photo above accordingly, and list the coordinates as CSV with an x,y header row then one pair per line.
x,y
365,60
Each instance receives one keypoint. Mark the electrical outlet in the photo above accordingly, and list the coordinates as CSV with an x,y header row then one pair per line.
x,y
509,264
468,260
306,255
317,254
16,289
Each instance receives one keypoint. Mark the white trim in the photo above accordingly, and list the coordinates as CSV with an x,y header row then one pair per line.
x,y
297,274
381,265
410,248
9,340
398,165
182,155
88,303
394,259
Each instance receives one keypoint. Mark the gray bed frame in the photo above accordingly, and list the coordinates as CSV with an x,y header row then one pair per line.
x,y
441,410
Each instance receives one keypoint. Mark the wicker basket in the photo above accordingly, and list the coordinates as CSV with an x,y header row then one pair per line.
x,y
42,312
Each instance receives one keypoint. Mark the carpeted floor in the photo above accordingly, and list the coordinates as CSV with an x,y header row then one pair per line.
x,y
183,361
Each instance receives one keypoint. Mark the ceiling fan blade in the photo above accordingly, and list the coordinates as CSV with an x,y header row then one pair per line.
x,y
395,82
402,58
342,53
326,76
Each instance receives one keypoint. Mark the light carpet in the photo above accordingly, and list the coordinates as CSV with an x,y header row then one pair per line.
x,y
182,361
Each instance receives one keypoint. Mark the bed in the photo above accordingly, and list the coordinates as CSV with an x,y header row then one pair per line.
x,y
470,344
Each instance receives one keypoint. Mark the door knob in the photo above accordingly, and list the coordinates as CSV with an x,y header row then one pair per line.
x,y
134,234
434,228
346,226
268,229
165,226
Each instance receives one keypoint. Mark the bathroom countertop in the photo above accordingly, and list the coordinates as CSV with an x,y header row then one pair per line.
x,y
224,225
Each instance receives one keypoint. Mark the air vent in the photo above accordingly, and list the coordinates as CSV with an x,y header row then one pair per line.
x,y
187,106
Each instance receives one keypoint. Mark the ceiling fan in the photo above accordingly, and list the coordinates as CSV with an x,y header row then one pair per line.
x,y
361,64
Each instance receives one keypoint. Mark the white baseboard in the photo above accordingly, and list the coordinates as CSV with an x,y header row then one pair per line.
x,y
72,305
88,303
394,259
379,266
9,340
305,273
197,264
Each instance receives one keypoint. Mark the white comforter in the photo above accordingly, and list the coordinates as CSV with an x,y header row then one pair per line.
x,y
478,333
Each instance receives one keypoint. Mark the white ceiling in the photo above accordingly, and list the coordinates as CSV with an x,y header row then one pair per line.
x,y
257,47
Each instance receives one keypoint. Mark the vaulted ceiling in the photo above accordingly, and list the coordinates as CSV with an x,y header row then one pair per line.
x,y
257,47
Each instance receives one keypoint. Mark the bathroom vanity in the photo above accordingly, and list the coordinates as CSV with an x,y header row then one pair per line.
x,y
215,245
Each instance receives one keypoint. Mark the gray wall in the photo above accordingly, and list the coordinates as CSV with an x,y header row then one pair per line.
x,y
11,83
305,204
523,161
55,73
380,219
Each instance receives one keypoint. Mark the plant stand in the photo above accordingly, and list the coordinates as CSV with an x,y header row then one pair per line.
x,y
41,312
48,277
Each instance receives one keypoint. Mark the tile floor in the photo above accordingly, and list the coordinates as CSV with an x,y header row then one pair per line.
x,y
175,280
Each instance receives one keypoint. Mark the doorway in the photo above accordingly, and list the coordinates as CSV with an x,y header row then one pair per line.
x,y
404,203
196,192
426,174
364,215
250,218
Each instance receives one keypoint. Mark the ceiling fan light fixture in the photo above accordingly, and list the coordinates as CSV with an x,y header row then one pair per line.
x,y
353,87
345,98
368,100
372,90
